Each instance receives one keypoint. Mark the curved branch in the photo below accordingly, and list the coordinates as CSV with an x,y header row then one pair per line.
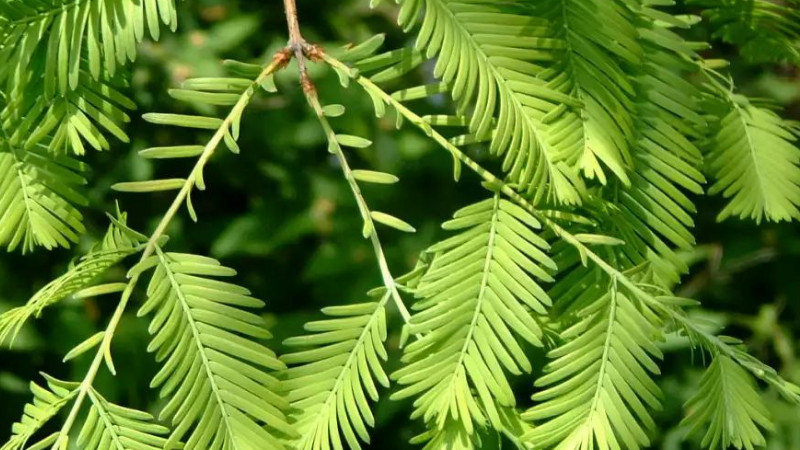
x,y
335,148
279,61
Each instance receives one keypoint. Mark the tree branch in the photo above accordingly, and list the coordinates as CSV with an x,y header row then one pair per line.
x,y
298,45
279,61
290,8
388,279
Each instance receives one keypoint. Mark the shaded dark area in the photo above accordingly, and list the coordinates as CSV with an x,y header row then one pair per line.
x,y
281,214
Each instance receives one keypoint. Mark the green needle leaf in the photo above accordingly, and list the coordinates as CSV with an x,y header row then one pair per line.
x,y
347,140
169,184
369,176
84,346
392,221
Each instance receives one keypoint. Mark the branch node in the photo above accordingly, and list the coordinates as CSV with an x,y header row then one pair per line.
x,y
308,85
282,57
314,52
300,48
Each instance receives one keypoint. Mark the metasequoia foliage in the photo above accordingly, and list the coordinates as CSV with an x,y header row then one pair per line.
x,y
607,123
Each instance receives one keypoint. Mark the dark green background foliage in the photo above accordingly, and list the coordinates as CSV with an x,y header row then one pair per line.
x,y
281,215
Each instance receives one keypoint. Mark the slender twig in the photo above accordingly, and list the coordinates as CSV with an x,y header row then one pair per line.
x,y
388,279
279,61
290,7
303,50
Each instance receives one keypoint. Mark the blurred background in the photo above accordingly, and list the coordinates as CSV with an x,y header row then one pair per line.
x,y
282,216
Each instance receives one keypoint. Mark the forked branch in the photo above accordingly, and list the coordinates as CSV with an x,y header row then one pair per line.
x,y
301,49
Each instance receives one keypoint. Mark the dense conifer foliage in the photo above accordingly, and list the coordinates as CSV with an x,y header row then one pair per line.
x,y
542,316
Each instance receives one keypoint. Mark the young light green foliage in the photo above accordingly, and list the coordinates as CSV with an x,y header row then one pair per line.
x,y
83,274
47,402
480,292
600,379
59,93
766,31
213,370
481,64
606,122
651,216
726,382
330,382
39,198
754,160
107,426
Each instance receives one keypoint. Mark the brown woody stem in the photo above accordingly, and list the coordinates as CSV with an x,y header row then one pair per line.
x,y
297,44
